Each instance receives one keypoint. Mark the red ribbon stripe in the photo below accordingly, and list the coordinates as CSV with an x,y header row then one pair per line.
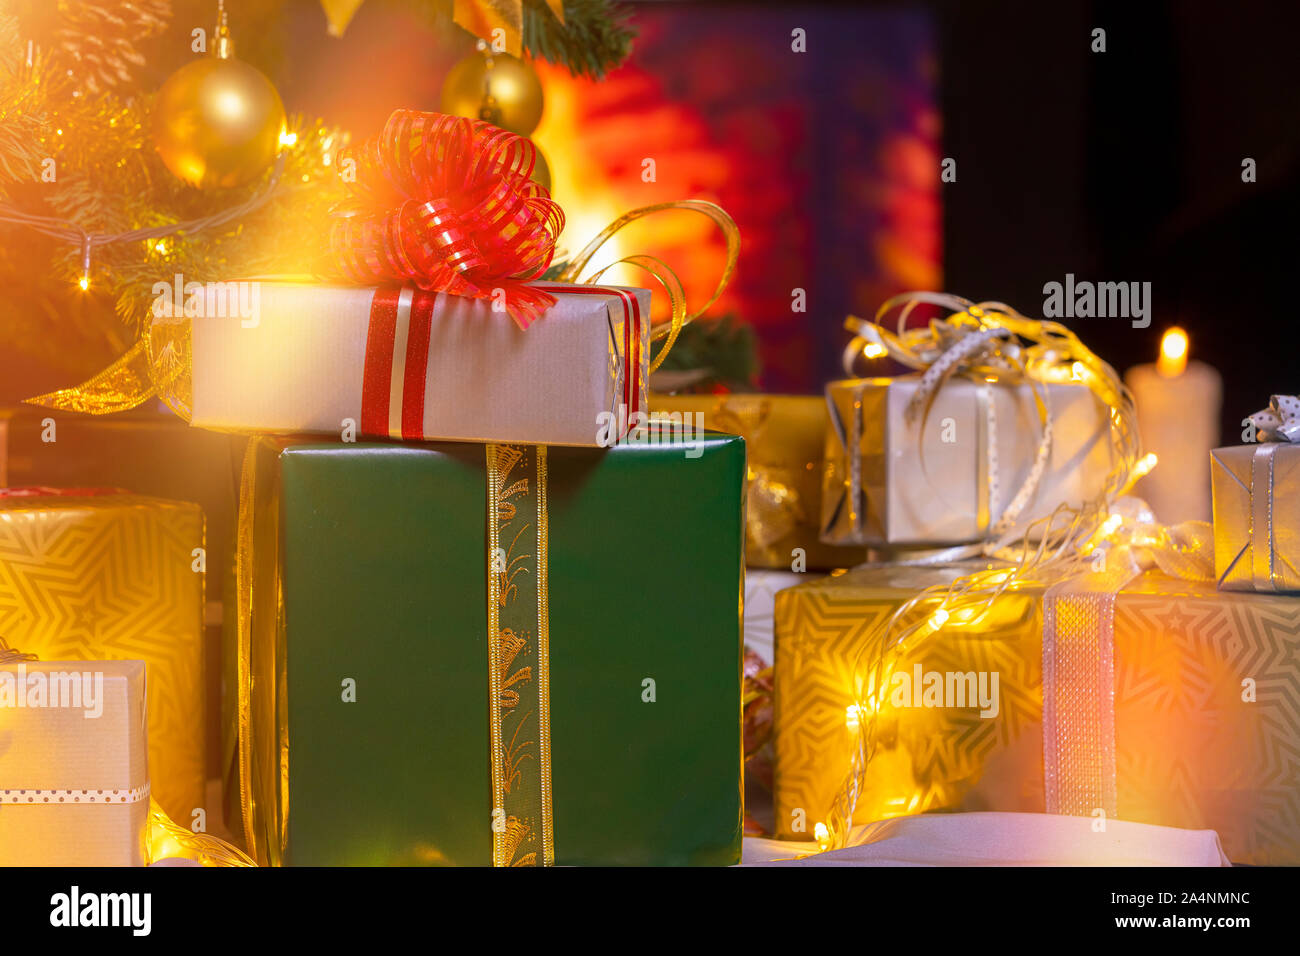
x,y
383,335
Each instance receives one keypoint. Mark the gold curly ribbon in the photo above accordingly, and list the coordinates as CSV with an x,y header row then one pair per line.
x,y
159,364
10,655
169,839
660,271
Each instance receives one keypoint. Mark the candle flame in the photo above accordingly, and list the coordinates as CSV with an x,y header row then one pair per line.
x,y
1173,353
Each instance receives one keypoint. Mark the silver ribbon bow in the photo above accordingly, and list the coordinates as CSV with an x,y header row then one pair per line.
x,y
975,338
1280,421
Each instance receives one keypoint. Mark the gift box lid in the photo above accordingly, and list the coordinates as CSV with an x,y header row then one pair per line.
x,y
74,726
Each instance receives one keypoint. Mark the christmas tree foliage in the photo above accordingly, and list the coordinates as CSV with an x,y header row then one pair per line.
x,y
78,167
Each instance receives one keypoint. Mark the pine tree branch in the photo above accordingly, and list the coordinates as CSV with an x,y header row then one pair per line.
x,y
594,38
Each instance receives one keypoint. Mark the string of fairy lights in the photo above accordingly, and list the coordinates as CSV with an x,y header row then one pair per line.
x,y
69,231
66,230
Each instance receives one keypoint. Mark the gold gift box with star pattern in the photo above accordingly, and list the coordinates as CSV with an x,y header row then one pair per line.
x,y
784,439
96,574
1206,711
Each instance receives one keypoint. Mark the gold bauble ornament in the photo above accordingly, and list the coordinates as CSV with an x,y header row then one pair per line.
x,y
217,121
496,87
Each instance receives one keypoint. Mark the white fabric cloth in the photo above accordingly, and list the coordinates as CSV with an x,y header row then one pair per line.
x,y
1000,839
761,585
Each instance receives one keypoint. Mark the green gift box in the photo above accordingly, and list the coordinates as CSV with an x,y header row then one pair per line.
x,y
490,654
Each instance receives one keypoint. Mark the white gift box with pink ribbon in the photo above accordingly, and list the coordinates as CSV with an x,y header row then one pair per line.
x,y
404,363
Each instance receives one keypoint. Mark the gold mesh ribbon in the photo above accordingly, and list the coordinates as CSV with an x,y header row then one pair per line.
x,y
160,363
168,839
519,656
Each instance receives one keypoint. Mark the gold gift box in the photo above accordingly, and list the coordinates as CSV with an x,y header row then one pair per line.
x,y
1256,490
73,774
947,477
1191,749
111,577
784,436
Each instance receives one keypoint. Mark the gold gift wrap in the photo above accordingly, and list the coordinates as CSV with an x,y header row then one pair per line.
x,y
1256,490
74,782
1206,711
784,436
946,477
111,576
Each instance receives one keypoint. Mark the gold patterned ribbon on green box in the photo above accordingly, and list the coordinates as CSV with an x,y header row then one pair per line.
x,y
518,656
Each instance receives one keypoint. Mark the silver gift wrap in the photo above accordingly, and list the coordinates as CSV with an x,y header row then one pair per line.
x,y
946,478
1256,491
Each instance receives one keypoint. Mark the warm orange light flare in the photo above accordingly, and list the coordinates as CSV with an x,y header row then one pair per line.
x,y
1173,353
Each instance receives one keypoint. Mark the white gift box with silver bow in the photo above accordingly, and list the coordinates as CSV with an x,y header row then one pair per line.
x,y
1256,492
947,477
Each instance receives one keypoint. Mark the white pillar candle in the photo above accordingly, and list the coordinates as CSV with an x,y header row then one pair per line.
x,y
1178,417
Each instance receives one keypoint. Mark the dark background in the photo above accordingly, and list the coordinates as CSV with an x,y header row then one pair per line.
x,y
1126,165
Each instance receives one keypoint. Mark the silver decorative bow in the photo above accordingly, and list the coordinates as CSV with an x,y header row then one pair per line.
x,y
1280,421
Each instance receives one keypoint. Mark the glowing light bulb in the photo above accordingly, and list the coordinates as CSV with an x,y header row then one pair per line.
x,y
1173,353
853,715
288,138
84,282
873,350
1145,464
822,834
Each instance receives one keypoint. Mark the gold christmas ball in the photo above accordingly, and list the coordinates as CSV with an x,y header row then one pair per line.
x,y
217,123
506,94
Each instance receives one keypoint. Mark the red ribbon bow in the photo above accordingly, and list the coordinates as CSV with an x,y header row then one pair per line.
x,y
446,203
